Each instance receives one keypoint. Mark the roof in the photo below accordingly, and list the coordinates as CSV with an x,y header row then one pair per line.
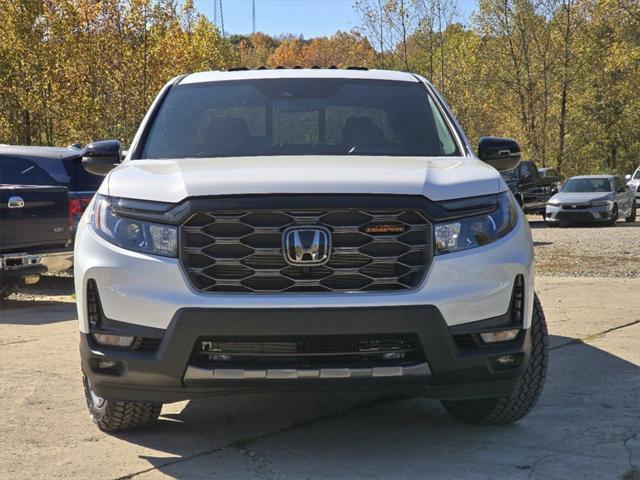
x,y
49,158
54,153
214,76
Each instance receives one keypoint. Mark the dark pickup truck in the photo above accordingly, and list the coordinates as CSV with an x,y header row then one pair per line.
x,y
28,165
531,189
44,192
34,237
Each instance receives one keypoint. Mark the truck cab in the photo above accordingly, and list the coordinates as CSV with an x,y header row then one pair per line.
x,y
530,187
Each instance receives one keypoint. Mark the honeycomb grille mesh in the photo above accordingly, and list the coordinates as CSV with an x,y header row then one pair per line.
x,y
241,251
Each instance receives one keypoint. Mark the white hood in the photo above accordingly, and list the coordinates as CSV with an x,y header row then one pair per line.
x,y
174,180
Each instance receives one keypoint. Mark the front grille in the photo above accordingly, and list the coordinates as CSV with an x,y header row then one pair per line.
x,y
582,206
330,351
567,216
241,251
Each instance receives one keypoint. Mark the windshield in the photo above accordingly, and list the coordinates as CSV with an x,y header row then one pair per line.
x,y
298,117
588,185
636,176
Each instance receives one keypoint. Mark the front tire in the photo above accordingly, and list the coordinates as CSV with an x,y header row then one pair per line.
x,y
632,216
118,416
614,216
5,291
510,408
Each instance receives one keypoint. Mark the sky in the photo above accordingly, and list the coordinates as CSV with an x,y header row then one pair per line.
x,y
310,18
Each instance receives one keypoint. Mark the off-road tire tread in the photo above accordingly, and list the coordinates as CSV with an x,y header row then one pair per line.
x,y
5,291
510,408
614,218
116,416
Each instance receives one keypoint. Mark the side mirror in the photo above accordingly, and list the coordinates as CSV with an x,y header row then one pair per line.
x,y
101,157
500,153
627,177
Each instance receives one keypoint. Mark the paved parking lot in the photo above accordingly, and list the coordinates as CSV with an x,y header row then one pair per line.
x,y
586,424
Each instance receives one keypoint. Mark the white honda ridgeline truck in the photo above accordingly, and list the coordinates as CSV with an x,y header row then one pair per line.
x,y
293,230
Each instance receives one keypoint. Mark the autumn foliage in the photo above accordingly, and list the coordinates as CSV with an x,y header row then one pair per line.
x,y
561,76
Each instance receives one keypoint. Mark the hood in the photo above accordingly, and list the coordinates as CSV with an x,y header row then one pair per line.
x,y
581,197
439,178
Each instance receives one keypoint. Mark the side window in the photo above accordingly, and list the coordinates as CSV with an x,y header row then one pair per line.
x,y
525,170
18,171
446,140
535,173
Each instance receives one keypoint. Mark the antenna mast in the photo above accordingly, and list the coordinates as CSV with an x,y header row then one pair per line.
x,y
218,14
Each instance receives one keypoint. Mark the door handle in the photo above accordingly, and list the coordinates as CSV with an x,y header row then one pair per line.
x,y
15,202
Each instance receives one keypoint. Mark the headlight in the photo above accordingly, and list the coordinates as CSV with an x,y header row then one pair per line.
x,y
477,230
132,234
604,203
554,203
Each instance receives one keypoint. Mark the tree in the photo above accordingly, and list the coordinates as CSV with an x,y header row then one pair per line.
x,y
374,25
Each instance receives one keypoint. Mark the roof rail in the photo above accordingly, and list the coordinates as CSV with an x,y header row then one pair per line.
x,y
295,67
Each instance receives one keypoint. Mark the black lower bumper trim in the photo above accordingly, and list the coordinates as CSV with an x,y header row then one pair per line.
x,y
160,376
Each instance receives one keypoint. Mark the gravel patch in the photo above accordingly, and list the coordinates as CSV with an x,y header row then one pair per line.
x,y
587,251
50,288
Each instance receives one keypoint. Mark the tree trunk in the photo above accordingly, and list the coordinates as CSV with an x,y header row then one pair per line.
x,y
565,86
26,127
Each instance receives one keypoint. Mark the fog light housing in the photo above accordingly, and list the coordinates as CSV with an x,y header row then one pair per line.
x,y
106,366
506,362
113,340
499,336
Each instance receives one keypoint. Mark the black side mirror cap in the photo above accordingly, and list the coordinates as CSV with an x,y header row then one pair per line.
x,y
101,157
500,153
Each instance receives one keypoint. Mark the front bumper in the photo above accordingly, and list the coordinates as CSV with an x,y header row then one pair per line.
x,y
17,266
577,214
452,367
462,292
147,290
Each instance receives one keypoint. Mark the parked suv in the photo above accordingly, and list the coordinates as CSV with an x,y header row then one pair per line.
x,y
306,229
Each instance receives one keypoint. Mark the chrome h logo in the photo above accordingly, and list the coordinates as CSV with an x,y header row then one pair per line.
x,y
306,246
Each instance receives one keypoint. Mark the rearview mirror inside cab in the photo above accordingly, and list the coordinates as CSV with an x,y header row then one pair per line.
x,y
500,153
